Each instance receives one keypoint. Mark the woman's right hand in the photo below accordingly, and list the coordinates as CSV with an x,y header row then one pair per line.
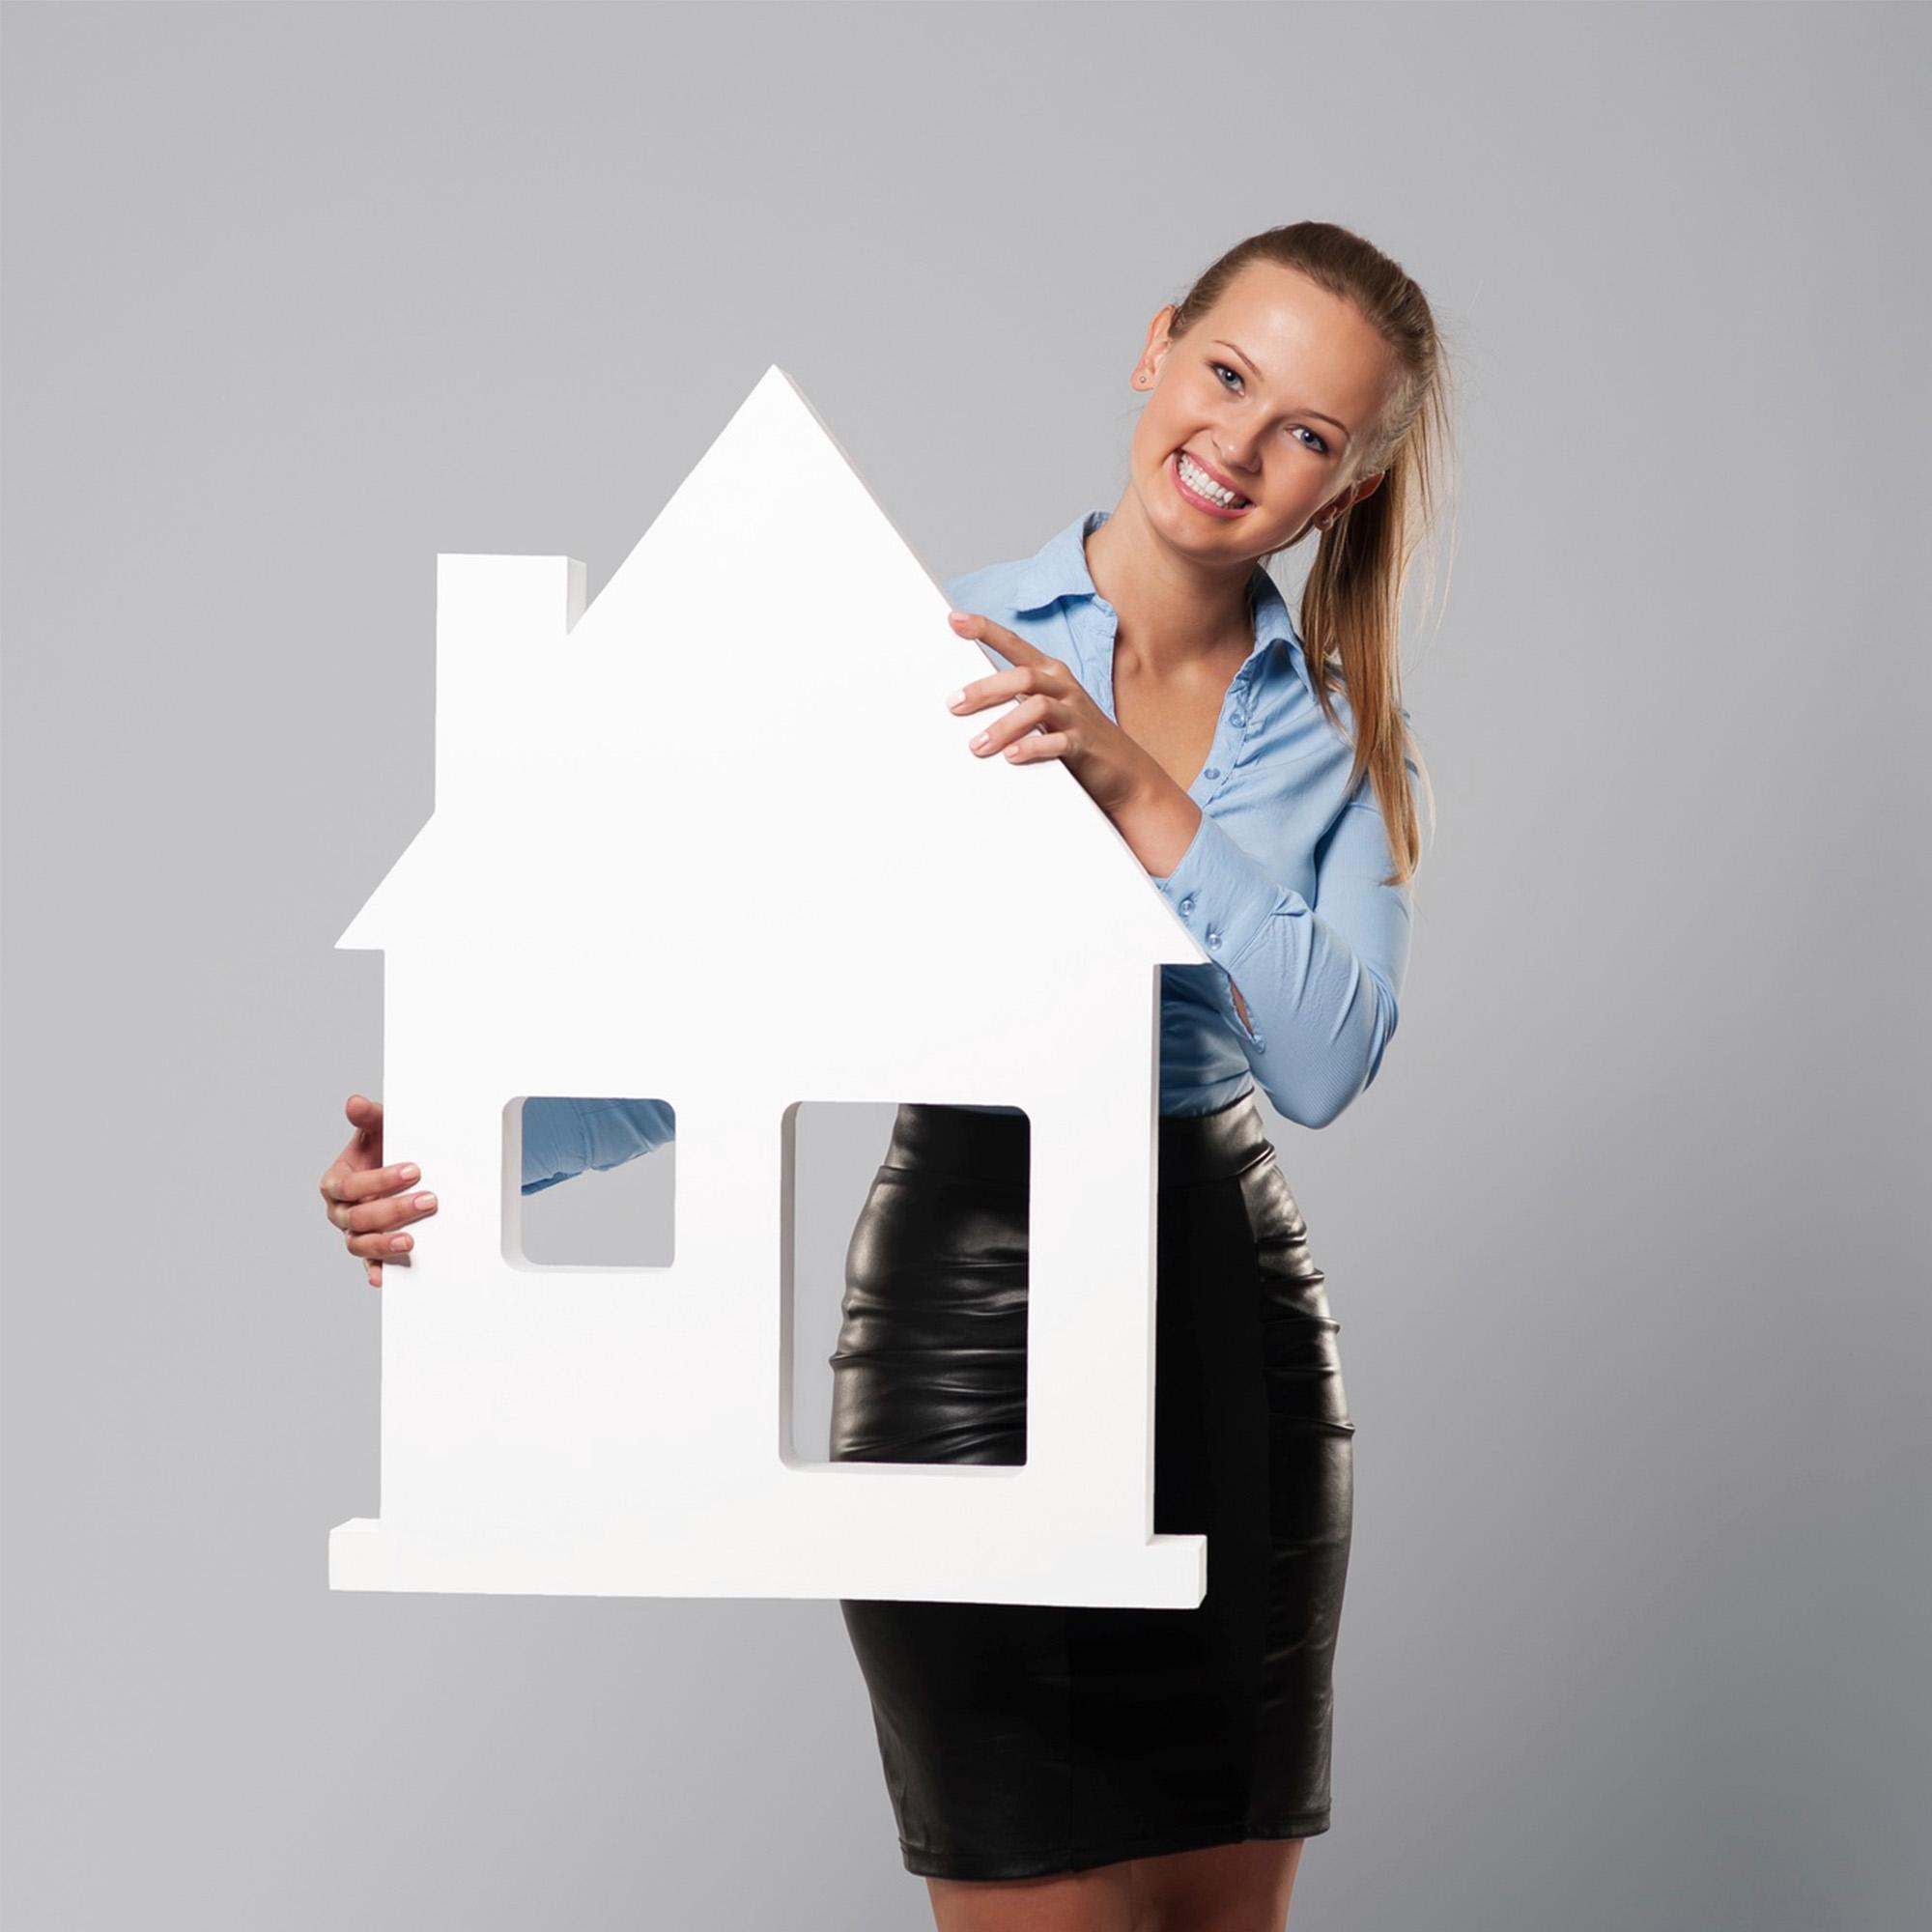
x,y
368,1200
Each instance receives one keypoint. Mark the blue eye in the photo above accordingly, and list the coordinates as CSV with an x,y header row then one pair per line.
x,y
1320,443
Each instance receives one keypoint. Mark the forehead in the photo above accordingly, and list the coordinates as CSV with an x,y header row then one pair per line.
x,y
1311,347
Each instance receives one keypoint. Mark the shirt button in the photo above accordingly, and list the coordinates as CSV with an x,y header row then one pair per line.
x,y
1187,904
1211,773
1214,937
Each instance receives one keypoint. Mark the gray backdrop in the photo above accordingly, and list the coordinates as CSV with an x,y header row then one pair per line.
x,y
1627,1238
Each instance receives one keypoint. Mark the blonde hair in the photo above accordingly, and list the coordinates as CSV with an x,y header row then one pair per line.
x,y
1350,616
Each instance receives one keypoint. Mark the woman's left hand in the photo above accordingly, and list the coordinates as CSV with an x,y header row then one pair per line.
x,y
1053,719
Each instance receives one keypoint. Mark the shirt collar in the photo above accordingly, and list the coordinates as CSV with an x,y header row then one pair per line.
x,y
1059,569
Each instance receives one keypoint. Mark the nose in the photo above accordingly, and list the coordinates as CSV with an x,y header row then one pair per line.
x,y
1237,456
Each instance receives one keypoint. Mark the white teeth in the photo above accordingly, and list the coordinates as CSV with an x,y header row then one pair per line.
x,y
1198,479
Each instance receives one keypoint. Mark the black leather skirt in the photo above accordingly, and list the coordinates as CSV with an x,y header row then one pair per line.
x,y
1017,1739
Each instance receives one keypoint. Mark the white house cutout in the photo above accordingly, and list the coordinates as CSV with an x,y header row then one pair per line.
x,y
607,1430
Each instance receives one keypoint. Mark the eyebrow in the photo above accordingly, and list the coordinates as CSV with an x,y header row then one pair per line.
x,y
1256,367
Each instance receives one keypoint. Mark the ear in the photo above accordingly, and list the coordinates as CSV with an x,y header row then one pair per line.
x,y
1148,366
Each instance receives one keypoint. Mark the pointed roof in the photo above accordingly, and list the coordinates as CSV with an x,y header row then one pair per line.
x,y
745,733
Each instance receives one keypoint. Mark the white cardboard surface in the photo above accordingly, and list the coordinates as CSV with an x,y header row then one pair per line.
x,y
879,916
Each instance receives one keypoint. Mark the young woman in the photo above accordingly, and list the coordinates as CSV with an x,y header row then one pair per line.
x,y
1097,1770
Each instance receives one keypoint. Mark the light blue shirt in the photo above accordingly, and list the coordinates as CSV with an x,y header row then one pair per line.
x,y
1280,884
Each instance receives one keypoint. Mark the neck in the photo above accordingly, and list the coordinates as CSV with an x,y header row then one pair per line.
x,y
1177,615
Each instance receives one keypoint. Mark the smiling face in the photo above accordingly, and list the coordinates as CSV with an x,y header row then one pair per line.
x,y
1274,392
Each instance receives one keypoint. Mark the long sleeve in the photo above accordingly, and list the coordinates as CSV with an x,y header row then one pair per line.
x,y
564,1136
1319,981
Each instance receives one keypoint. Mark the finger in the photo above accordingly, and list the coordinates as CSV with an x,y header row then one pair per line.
x,y
1031,714
365,1146
1048,677
985,691
378,1210
1041,746
383,1244
374,1270
395,1210
1015,649
351,1183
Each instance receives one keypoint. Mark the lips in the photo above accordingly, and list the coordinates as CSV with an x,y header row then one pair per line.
x,y
1226,482
1207,506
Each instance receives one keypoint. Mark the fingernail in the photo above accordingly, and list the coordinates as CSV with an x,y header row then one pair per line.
x,y
425,1201
980,739
408,1171
398,1242
957,698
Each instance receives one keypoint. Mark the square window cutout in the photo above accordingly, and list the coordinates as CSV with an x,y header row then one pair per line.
x,y
589,1183
906,1263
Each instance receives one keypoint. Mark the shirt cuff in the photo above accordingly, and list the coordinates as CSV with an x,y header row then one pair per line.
x,y
1224,896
